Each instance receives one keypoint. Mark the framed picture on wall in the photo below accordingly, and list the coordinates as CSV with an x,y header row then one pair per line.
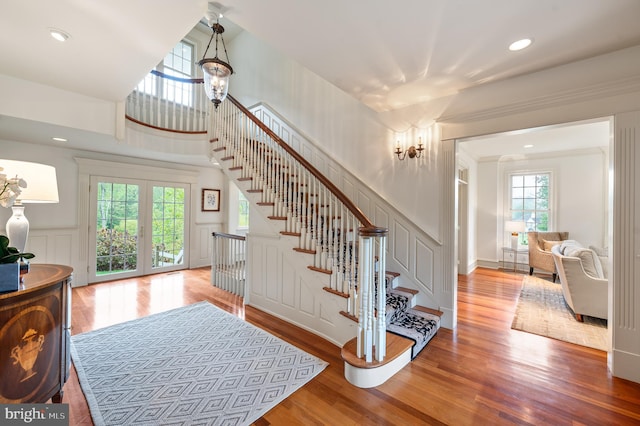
x,y
210,200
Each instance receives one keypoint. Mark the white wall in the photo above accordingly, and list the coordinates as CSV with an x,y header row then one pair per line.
x,y
351,133
579,211
55,231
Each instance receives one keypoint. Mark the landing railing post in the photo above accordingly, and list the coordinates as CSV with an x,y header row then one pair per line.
x,y
372,326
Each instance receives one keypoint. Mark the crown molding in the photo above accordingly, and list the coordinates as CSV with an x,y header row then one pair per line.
x,y
597,91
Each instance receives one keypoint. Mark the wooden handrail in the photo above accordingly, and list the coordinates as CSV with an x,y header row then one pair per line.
x,y
368,227
174,78
151,126
232,236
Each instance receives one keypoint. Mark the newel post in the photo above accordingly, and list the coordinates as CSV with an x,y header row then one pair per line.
x,y
372,326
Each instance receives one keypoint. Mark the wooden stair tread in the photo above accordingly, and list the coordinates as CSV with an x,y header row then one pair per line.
x,y
324,271
396,346
406,290
245,178
230,157
266,203
277,217
290,234
336,292
348,315
393,274
234,168
428,310
302,250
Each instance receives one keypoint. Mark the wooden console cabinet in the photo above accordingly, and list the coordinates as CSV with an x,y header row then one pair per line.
x,y
35,335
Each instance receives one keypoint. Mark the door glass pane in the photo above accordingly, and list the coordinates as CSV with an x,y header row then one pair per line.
x,y
168,226
117,228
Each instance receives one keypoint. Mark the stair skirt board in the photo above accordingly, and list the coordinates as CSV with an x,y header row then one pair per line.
x,y
416,325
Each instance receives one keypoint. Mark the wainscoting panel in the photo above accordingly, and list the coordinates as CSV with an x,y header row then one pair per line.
x,y
334,174
381,217
272,279
58,246
307,301
348,188
307,153
319,163
364,202
401,245
200,253
51,246
295,141
256,275
289,287
424,265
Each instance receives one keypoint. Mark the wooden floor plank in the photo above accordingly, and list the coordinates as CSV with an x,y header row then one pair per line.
x,y
481,373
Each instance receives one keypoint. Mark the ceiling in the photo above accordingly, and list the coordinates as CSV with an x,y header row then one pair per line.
x,y
565,138
387,55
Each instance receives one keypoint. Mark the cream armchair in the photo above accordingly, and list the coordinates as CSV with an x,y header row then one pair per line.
x,y
584,286
540,244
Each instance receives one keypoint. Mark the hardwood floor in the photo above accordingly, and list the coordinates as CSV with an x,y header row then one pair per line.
x,y
483,373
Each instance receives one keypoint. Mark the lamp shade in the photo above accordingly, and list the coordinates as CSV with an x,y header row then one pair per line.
x,y
514,226
42,185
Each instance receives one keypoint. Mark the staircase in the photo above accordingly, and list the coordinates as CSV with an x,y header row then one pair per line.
x,y
342,244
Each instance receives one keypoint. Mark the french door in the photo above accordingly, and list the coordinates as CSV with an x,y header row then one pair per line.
x,y
137,227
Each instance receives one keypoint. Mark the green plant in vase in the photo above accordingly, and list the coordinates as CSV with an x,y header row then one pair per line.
x,y
11,254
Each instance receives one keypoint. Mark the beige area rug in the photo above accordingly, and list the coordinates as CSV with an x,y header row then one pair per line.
x,y
542,310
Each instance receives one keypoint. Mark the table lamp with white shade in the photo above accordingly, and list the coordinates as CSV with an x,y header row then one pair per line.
x,y
42,187
514,227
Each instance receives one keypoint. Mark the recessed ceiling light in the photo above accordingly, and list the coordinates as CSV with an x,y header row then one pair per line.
x,y
58,34
520,44
528,146
59,139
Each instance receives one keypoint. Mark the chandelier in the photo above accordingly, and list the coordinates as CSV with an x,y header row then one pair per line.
x,y
216,72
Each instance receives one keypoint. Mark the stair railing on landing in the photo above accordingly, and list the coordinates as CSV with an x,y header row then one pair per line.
x,y
169,103
228,262
344,243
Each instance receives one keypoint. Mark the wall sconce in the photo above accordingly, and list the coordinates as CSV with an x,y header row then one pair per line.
x,y
412,151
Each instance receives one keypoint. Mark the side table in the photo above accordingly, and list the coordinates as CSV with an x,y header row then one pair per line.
x,y
511,255
35,336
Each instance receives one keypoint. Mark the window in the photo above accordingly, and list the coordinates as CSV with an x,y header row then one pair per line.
x,y
529,195
243,211
178,63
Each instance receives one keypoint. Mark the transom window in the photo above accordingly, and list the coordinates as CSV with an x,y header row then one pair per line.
x,y
530,202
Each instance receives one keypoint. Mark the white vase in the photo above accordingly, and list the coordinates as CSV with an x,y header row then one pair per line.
x,y
18,228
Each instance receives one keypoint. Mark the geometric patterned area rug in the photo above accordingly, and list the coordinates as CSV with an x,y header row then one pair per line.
x,y
542,310
193,365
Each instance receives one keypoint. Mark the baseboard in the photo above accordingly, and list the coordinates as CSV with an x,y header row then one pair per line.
x,y
626,365
490,264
